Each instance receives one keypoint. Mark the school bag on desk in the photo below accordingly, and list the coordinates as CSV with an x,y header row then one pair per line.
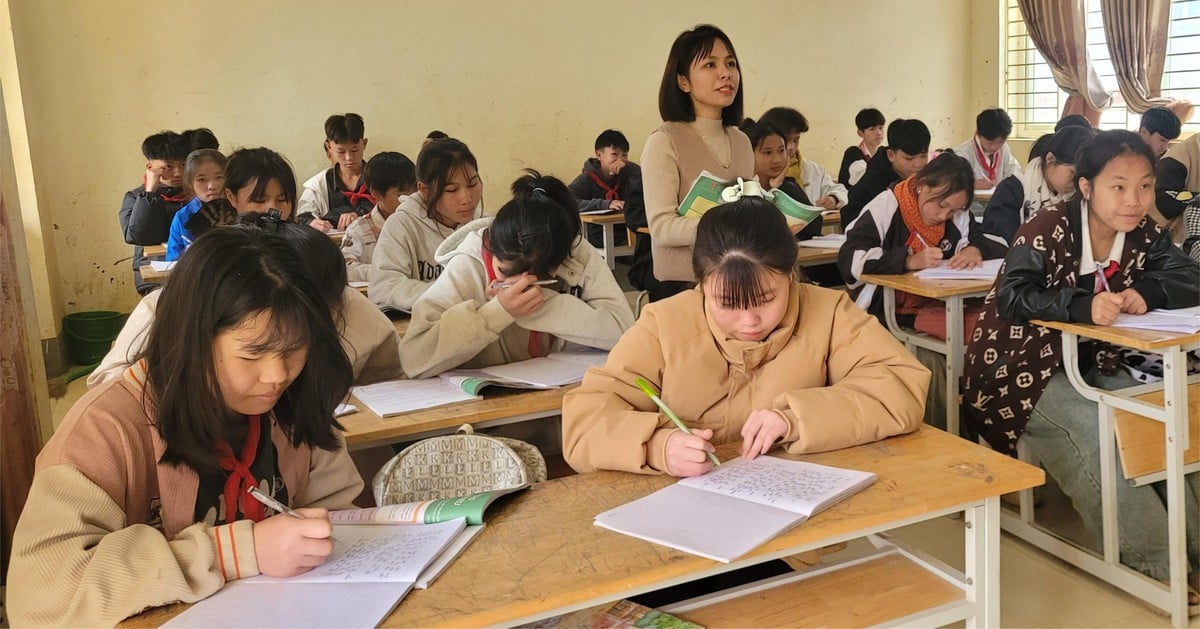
x,y
452,466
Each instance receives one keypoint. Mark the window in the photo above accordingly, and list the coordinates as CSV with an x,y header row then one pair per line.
x,y
1035,102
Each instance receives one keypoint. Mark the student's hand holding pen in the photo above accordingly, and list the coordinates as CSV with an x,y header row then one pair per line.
x,y
1105,308
519,295
286,545
688,455
923,259
760,432
969,258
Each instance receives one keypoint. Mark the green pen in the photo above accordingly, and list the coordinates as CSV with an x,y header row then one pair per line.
x,y
648,389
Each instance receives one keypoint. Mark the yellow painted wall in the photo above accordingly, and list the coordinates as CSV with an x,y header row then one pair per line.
x,y
523,83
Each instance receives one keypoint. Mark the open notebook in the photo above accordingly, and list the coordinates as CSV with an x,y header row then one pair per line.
x,y
556,370
986,271
736,507
1181,321
370,571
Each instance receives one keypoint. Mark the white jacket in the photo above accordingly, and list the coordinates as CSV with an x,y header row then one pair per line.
x,y
818,184
368,338
455,324
403,263
314,196
1006,164
358,244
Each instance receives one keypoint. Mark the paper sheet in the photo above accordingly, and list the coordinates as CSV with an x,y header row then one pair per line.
x,y
1182,321
987,271
792,485
400,396
162,265
241,604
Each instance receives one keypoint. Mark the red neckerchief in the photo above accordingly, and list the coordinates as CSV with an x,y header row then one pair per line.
x,y
537,347
1108,272
862,147
361,194
175,198
240,479
610,193
989,169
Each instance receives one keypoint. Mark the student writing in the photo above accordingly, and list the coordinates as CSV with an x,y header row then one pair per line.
x,y
389,176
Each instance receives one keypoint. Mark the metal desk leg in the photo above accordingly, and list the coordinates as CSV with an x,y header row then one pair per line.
x,y
610,244
1175,396
955,348
982,566
1110,528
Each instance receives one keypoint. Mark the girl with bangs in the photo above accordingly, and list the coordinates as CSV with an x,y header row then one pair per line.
x,y
748,355
140,497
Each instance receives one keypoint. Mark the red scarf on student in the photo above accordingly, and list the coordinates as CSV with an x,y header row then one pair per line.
x,y
240,479
988,166
539,342
361,194
610,193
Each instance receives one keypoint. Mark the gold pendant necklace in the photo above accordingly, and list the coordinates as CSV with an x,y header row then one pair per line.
x,y
728,142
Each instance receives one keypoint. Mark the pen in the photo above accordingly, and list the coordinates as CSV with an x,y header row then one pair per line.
x,y
921,239
648,389
262,497
1102,281
537,283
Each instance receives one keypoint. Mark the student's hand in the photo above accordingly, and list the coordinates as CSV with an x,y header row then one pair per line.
x,y
777,181
320,225
760,432
522,298
345,219
616,204
968,258
923,259
984,184
796,228
828,202
1105,308
287,546
151,180
617,167
1132,302
687,455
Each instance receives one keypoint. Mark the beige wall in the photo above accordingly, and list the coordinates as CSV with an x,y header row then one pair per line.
x,y
524,83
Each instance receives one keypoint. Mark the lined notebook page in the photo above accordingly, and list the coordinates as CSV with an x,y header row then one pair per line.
x,y
401,396
794,486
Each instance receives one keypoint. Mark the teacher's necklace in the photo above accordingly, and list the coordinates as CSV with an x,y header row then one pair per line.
x,y
708,145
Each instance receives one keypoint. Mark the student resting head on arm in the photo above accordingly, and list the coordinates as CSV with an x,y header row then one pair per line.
x,y
449,195
139,499
749,355
517,286
1085,261
700,101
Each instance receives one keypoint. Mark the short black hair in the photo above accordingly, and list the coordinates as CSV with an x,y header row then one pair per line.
x,y
738,241
167,146
388,170
259,166
1072,120
613,138
1107,145
1065,143
675,105
909,135
785,119
437,134
869,117
343,128
201,138
1162,121
537,229
759,131
993,123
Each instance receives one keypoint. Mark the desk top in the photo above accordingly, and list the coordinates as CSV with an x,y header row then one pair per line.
x,y
155,250
1145,340
148,273
364,428
602,219
936,289
811,256
541,552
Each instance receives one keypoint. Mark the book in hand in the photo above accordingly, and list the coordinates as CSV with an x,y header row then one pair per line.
x,y
548,372
736,507
371,569
705,194
427,511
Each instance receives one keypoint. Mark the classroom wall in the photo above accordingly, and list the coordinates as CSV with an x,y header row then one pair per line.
x,y
525,84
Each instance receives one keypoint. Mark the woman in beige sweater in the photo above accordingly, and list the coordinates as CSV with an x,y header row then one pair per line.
x,y
750,355
700,101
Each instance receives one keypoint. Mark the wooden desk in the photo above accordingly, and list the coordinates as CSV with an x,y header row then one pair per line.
x,y
831,222
1140,440
336,236
814,256
365,429
1172,413
952,292
608,223
148,273
154,251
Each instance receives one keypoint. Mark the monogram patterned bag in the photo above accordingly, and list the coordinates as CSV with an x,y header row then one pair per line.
x,y
452,466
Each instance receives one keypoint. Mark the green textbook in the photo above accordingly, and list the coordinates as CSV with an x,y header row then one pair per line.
x,y
705,194
425,512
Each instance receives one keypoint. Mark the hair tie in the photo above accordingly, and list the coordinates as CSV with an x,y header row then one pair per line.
x,y
539,191
744,188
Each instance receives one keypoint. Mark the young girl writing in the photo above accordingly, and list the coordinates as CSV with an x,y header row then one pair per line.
x,y
770,162
750,355
448,195
1048,179
1085,261
204,174
139,498
910,227
700,101
518,286
368,338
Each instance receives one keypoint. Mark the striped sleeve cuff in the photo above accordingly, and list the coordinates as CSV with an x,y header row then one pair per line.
x,y
233,550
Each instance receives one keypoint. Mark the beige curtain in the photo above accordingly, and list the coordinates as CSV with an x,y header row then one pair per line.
x,y
1059,31
18,418
1136,31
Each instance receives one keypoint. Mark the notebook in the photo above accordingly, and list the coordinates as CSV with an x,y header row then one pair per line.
x,y
986,271
736,507
705,194
470,508
371,569
401,396
548,372
828,241
1182,320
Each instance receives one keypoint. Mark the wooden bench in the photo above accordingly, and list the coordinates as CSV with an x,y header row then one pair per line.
x,y
1140,439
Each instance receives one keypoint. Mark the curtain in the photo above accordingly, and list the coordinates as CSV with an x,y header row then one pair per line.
x,y
1059,31
1136,31
18,418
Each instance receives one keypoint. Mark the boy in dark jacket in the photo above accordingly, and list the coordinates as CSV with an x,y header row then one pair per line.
x,y
147,210
906,153
609,181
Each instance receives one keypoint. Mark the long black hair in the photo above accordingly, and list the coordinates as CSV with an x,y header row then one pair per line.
x,y
536,230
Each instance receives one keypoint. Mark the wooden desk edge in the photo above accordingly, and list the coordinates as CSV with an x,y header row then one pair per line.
x,y
934,289
1136,338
